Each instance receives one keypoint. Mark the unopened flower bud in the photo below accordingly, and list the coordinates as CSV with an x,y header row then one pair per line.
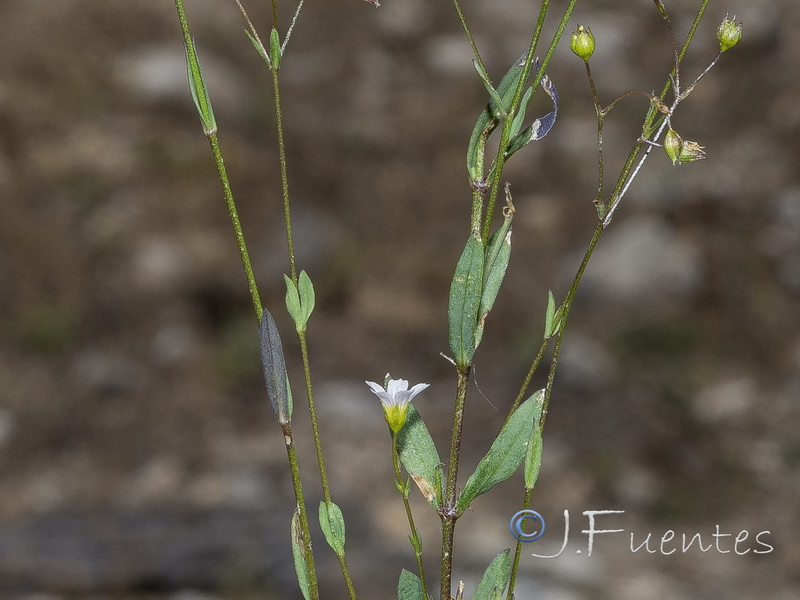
x,y
680,150
729,33
582,43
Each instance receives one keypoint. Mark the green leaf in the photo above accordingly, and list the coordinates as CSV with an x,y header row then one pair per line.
x,y
549,316
508,86
465,298
307,297
498,253
477,147
293,304
495,577
519,118
420,458
409,587
197,86
505,455
274,48
262,52
533,455
300,566
488,85
489,118
541,126
332,522
300,300
274,369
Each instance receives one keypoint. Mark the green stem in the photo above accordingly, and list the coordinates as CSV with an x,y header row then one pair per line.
x,y
237,226
448,513
307,550
287,215
622,182
221,171
323,474
500,159
403,488
565,309
527,381
469,35
526,502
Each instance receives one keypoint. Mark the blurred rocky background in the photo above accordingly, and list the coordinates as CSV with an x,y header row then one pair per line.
x,y
138,455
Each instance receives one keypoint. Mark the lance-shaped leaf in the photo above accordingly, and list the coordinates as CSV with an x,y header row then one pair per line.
x,y
495,577
552,317
409,587
465,299
300,300
300,565
508,86
505,455
488,85
541,126
490,116
262,52
274,369
332,522
420,458
275,52
533,455
199,90
498,253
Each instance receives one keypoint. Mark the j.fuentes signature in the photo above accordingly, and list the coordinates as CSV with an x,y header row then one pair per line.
x,y
669,542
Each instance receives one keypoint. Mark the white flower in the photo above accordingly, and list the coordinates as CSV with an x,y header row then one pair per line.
x,y
395,398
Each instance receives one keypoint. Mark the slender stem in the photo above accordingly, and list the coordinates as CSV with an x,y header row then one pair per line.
x,y
448,512
566,307
565,310
469,36
599,201
303,345
287,215
526,502
326,493
624,181
237,226
506,131
323,474
308,553
404,489
527,381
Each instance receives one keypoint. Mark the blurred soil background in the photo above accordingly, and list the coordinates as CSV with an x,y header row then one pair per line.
x,y
138,454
